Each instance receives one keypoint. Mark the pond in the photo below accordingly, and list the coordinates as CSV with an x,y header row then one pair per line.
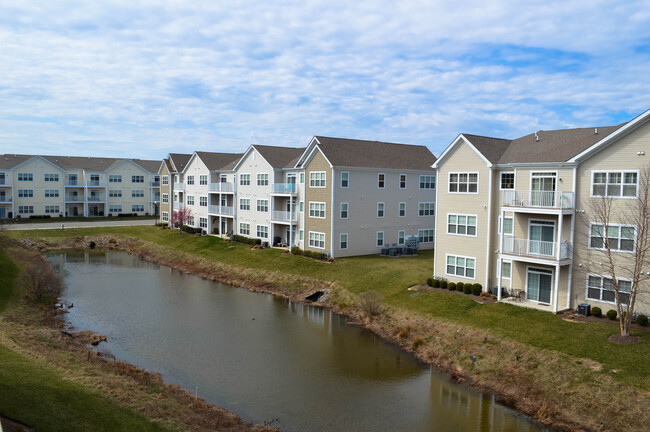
x,y
295,366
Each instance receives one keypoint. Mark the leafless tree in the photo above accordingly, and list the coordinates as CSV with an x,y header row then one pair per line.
x,y
42,282
617,226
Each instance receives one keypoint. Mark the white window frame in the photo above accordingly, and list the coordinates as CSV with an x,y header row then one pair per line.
x,y
464,276
317,179
347,241
115,178
301,235
189,200
203,180
262,231
52,209
165,181
262,205
25,177
500,269
401,237
137,208
316,212
117,208
347,179
25,209
514,178
52,193
347,210
203,201
315,239
466,225
431,231
244,203
25,193
115,193
244,228
203,222
620,232
189,180
405,181
262,179
135,178
468,183
429,179
380,240
602,283
165,216
244,179
302,178
165,198
137,193
383,210
381,180
502,225
607,173
426,209
301,207
51,177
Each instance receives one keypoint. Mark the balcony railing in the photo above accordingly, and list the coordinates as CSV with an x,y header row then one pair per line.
x,y
221,187
284,188
5,183
74,198
536,248
284,216
154,198
74,183
154,184
221,210
95,183
179,186
96,198
541,199
5,198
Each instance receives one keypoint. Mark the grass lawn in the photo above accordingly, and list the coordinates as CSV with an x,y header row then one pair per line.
x,y
391,277
79,219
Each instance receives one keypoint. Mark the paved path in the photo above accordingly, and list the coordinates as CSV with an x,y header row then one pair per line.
x,y
85,224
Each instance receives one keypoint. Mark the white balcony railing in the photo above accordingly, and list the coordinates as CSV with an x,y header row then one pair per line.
x,y
221,210
284,188
96,198
95,183
74,183
179,186
543,199
154,184
284,216
5,198
221,187
5,183
536,248
74,198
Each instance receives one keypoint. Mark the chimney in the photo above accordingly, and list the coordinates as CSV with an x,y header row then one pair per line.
x,y
596,131
536,137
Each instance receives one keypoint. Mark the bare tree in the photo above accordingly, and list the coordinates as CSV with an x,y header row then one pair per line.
x,y
181,217
619,226
42,282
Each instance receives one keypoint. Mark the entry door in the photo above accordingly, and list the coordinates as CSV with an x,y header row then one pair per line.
x,y
224,227
540,285
3,212
542,189
541,238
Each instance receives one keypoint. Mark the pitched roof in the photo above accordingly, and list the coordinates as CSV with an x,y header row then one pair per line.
x,y
150,165
179,160
280,157
375,154
219,161
542,146
8,161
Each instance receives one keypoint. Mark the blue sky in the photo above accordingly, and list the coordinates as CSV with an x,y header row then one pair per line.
x,y
142,78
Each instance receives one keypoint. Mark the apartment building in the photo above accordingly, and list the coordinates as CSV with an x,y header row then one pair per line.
x,y
170,170
35,185
518,214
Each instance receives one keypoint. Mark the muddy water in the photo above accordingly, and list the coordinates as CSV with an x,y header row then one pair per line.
x,y
268,360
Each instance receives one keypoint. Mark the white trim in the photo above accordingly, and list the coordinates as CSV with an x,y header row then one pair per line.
x,y
319,180
384,180
347,210
383,210
445,154
488,247
383,239
398,209
605,226
319,234
536,270
333,188
514,179
435,180
591,184
341,180
399,185
500,268
466,225
468,182
430,204
465,267
318,210
602,277
347,241
404,238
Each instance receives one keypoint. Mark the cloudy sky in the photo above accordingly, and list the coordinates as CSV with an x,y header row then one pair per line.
x,y
143,78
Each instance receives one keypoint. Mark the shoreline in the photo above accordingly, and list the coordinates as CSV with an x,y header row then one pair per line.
x,y
411,333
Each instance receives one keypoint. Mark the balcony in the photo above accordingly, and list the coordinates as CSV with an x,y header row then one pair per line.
x,y
5,183
73,183
284,189
95,183
154,199
154,184
74,198
96,198
536,248
221,210
284,216
179,187
5,199
221,187
538,199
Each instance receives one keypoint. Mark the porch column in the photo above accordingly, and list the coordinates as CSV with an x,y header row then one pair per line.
x,y
559,237
500,260
556,294
500,280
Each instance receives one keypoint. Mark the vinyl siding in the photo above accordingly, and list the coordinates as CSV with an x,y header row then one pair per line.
x,y
319,163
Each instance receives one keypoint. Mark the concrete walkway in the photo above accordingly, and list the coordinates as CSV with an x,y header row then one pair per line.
x,y
84,224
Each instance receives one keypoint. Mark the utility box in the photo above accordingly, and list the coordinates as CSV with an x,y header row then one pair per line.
x,y
584,309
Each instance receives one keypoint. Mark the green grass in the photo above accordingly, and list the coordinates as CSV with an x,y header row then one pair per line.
x,y
78,219
391,277
8,273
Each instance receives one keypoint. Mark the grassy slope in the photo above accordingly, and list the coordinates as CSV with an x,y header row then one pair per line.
x,y
391,277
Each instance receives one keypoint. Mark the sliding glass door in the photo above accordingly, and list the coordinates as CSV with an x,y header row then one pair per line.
x,y
539,285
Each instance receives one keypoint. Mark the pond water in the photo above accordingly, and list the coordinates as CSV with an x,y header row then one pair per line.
x,y
297,367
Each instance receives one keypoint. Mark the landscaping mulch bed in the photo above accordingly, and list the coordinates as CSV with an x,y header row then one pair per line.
x,y
477,299
573,316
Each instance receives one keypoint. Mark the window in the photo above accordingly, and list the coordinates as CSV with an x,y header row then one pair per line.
x,y
262,231
190,220
344,210
26,209
301,235
262,179
508,228
244,204
317,179
602,289
203,201
203,180
165,181
115,193
402,181
614,183
345,179
343,241
51,209
402,209
175,197
190,200
52,178
51,193
302,206
380,209
621,238
26,193
461,266
189,180
165,215
317,210
135,208
245,180
302,178
203,222
263,206
25,177
165,198
115,178
506,269
136,179
137,193
507,180
426,235
244,229
400,237
117,208
317,240
463,182
380,238
426,209
427,182
381,181
461,224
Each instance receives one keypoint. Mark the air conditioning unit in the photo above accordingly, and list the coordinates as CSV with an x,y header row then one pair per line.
x,y
584,309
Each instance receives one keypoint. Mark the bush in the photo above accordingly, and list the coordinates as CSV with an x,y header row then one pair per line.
x,y
436,283
443,284
452,286
40,216
246,240
430,281
42,283
477,289
192,230
162,224
642,320
596,311
611,314
370,303
467,288
460,286
310,254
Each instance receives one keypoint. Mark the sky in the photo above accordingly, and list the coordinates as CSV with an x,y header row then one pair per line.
x,y
142,79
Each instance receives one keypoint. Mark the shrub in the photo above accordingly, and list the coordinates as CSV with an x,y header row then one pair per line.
x,y
642,320
436,283
467,288
370,303
296,250
596,311
443,284
430,281
308,253
452,286
477,289
162,224
192,230
460,286
246,240
611,314
42,283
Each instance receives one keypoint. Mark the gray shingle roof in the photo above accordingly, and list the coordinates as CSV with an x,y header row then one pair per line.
x,y
219,161
8,161
179,160
150,165
280,157
375,154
